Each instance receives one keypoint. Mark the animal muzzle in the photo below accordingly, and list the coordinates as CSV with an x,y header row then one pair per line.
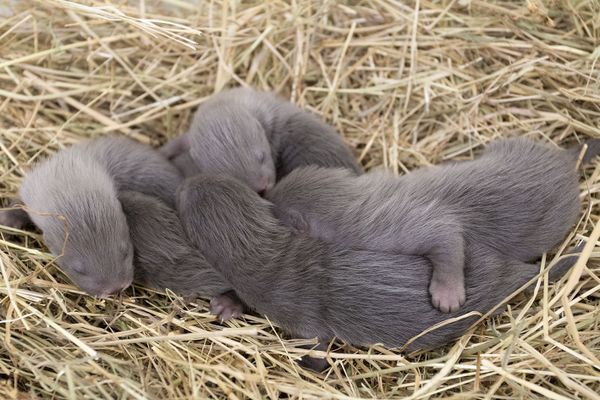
x,y
114,290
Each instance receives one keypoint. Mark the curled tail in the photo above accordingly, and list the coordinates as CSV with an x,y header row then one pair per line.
x,y
592,150
565,263
557,270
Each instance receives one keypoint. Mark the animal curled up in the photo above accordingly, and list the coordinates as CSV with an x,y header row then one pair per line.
x,y
463,233
312,288
518,198
116,195
257,138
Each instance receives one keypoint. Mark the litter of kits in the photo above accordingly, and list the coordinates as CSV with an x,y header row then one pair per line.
x,y
262,207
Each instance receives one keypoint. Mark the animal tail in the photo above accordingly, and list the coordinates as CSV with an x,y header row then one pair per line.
x,y
591,152
561,267
565,263
174,147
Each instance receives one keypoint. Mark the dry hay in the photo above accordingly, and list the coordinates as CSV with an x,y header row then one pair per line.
x,y
407,84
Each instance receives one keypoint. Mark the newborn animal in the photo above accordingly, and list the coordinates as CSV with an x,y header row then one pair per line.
x,y
313,288
163,258
73,198
518,198
256,137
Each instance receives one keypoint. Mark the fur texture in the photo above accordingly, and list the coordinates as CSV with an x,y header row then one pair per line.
x,y
163,258
73,198
257,138
134,166
518,198
313,288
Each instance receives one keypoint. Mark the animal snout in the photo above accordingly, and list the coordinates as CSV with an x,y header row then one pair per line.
x,y
264,186
115,290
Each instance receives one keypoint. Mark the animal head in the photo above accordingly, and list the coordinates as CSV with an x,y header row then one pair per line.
x,y
232,142
84,225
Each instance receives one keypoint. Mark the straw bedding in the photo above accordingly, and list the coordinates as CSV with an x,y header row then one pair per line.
x,y
407,83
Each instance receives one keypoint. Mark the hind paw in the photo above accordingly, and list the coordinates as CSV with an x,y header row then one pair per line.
x,y
226,306
446,297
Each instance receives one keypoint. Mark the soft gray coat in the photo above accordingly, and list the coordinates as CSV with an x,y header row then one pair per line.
x,y
313,288
257,138
72,197
518,198
163,257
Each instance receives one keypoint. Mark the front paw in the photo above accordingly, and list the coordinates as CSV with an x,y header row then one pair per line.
x,y
447,297
226,306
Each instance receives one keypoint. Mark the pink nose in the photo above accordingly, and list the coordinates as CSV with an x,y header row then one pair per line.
x,y
263,186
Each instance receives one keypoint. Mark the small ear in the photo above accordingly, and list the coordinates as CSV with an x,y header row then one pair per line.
x,y
186,164
129,201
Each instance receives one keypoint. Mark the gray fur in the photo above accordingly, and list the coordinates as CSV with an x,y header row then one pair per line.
x,y
256,137
134,166
163,258
312,288
518,198
75,191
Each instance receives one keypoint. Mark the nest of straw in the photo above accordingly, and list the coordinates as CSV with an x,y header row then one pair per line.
x,y
407,84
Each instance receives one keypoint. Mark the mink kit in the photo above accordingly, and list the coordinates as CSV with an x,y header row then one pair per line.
x,y
257,138
519,198
105,208
329,251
